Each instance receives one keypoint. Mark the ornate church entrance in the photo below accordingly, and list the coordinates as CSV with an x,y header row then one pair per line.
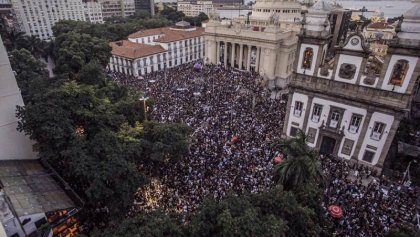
x,y
327,145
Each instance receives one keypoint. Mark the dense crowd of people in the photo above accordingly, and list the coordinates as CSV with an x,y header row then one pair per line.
x,y
235,120
371,204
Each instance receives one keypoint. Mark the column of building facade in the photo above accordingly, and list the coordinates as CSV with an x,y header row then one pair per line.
x,y
248,63
241,54
389,140
225,54
232,59
257,64
307,113
217,52
288,107
362,135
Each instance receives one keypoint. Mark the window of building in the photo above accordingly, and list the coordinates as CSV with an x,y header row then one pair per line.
x,y
293,131
355,123
298,108
316,114
378,129
368,156
335,118
308,55
399,72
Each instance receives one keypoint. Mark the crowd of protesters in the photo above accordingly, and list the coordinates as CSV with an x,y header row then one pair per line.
x,y
234,122
235,119
371,204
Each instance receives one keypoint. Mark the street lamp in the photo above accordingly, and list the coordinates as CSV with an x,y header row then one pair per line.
x,y
144,99
407,173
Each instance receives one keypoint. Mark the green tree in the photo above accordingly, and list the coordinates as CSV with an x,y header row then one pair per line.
x,y
166,142
172,15
13,40
108,180
31,75
141,15
73,50
301,167
91,73
36,46
154,224
271,213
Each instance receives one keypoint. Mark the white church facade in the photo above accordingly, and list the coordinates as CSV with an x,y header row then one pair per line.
x,y
346,109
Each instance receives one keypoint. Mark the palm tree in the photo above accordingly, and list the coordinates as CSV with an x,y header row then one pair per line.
x,y
301,167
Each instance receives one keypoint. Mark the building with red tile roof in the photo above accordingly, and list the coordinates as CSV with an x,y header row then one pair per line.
x,y
151,50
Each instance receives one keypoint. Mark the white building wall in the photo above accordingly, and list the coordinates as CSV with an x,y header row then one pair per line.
x,y
93,12
194,9
37,17
14,145
345,121
297,119
176,55
368,141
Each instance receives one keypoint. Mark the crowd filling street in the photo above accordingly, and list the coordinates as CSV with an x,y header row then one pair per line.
x,y
235,119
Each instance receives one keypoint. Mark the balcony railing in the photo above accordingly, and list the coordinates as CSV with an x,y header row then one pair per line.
x,y
353,129
333,123
376,136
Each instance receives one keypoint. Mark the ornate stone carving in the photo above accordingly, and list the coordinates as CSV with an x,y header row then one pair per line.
x,y
369,80
325,70
274,19
214,16
347,71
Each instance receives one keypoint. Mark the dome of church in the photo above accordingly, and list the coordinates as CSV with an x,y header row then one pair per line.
x,y
317,22
413,13
410,27
321,7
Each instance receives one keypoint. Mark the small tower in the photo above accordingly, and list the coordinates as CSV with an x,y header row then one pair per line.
x,y
314,39
400,70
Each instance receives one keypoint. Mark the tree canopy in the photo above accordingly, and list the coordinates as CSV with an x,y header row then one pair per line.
x,y
91,129
272,213
301,167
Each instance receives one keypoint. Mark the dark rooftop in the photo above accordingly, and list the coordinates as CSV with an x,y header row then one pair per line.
x,y
31,189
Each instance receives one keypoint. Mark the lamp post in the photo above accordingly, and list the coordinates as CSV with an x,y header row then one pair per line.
x,y
144,99
407,172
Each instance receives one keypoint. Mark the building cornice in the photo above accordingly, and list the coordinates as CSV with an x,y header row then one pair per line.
x,y
387,100
241,38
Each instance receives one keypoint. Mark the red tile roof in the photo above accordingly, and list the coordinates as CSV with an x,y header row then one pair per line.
x,y
128,49
170,34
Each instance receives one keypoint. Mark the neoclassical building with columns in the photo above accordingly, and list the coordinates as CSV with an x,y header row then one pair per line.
x,y
264,43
